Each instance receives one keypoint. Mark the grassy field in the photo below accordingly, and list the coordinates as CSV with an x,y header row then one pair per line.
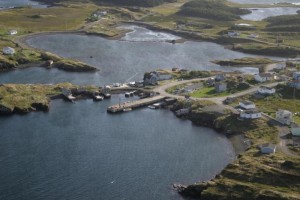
x,y
23,97
207,92
51,19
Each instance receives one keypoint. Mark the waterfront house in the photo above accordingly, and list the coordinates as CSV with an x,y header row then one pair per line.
x,y
13,32
267,148
250,114
220,87
266,90
8,51
152,77
247,105
284,116
263,77
220,77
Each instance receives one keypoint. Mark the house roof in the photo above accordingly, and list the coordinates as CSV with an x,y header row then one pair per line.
x,y
295,131
253,111
268,145
265,75
247,102
8,48
281,111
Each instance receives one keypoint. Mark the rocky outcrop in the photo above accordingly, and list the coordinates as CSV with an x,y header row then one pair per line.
x,y
41,106
6,64
67,64
5,110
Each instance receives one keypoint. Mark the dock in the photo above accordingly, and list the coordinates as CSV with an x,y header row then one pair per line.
x,y
135,104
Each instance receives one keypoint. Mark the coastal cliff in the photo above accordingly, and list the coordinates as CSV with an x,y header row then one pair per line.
x,y
253,175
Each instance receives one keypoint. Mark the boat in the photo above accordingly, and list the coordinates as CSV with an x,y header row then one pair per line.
x,y
98,98
127,94
107,96
127,109
151,107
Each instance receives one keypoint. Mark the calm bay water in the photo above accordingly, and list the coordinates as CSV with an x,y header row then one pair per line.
x,y
16,3
122,60
78,151
262,13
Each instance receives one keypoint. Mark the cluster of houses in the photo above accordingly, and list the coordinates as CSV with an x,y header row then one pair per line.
x,y
100,13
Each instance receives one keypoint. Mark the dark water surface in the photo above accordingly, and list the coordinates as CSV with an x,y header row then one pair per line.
x,y
123,60
78,151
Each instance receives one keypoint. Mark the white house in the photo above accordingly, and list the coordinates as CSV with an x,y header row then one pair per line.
x,y
247,105
284,116
263,77
233,34
250,114
267,148
266,90
13,32
8,51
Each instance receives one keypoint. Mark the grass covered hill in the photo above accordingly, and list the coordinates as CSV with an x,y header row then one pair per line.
x,y
284,23
212,9
143,3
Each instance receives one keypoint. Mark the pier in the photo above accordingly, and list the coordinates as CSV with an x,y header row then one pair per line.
x,y
135,104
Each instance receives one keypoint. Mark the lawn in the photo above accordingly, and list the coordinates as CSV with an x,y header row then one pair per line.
x,y
50,19
207,92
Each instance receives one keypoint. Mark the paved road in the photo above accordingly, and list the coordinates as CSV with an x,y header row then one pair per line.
x,y
219,100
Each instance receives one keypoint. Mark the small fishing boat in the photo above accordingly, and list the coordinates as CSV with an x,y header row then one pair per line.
x,y
127,109
98,98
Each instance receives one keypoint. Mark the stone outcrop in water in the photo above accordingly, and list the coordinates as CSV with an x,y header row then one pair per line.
x,y
67,64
